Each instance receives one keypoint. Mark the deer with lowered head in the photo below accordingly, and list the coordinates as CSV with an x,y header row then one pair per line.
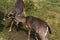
x,y
38,25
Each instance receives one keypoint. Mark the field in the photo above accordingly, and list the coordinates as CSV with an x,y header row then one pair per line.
x,y
47,10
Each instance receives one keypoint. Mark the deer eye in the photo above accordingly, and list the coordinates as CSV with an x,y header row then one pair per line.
x,y
10,15
6,16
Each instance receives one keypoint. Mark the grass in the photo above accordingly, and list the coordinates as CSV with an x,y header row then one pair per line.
x,y
48,10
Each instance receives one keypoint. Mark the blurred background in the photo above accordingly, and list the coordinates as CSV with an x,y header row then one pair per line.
x,y
47,10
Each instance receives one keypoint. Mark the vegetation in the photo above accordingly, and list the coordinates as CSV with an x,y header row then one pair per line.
x,y
47,10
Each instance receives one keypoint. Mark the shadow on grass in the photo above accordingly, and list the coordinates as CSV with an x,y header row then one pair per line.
x,y
20,28
1,25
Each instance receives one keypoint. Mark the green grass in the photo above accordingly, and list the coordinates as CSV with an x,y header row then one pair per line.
x,y
48,10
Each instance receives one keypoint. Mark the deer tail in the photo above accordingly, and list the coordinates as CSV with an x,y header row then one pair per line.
x,y
49,29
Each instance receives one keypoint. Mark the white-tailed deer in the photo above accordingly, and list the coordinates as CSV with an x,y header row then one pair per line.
x,y
40,26
17,10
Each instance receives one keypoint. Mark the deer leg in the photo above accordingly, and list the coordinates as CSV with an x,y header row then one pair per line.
x,y
28,34
46,38
27,26
17,23
36,36
46,34
11,26
42,36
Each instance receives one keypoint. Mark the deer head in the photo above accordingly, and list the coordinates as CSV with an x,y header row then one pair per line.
x,y
7,13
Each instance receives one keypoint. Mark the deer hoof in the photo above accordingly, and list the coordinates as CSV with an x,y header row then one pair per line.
x,y
9,30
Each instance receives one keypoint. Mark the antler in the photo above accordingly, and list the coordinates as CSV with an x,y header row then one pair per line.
x,y
6,9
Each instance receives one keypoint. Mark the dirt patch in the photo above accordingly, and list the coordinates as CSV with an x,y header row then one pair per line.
x,y
20,35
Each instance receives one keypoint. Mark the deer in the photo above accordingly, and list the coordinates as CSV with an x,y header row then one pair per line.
x,y
41,27
38,25
18,8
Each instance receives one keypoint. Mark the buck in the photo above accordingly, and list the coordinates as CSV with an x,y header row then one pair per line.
x,y
17,10
39,26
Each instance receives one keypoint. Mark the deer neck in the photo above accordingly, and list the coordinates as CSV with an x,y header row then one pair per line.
x,y
24,20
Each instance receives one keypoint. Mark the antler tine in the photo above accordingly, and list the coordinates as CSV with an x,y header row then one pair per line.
x,y
6,9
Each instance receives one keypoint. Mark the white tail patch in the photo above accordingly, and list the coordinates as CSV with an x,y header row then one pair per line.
x,y
46,31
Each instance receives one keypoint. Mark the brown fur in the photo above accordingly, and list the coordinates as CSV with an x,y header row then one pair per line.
x,y
37,24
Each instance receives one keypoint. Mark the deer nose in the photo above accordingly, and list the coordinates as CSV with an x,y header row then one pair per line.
x,y
4,19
